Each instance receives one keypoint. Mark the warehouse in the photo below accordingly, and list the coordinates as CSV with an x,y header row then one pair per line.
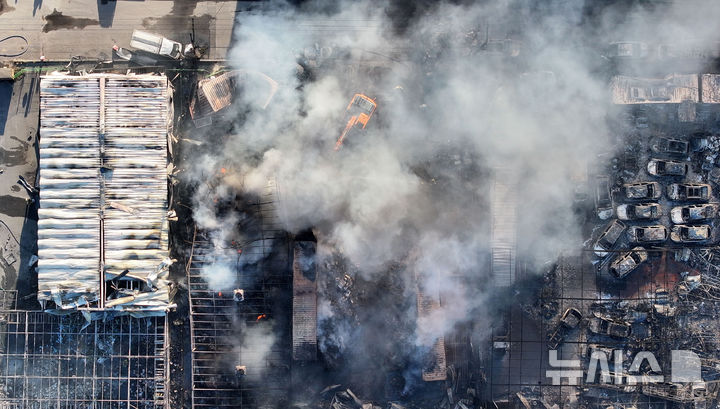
x,y
102,229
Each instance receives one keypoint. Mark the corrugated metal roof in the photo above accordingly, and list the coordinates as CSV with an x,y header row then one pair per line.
x,y
503,236
103,191
304,330
69,214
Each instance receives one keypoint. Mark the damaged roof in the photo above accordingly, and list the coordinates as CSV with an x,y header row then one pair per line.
x,y
673,89
710,88
103,228
215,93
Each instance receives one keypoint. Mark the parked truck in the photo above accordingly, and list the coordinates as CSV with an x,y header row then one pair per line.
x,y
157,44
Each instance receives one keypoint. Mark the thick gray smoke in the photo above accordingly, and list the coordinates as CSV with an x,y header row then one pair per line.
x,y
415,186
462,90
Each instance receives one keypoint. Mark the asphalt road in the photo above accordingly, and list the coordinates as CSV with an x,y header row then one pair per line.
x,y
60,29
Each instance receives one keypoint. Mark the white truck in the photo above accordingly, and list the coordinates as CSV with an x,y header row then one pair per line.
x,y
157,44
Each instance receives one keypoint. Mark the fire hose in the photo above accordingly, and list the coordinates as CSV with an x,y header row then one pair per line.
x,y
20,53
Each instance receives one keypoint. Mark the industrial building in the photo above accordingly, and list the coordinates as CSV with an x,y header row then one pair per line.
x,y
103,228
102,251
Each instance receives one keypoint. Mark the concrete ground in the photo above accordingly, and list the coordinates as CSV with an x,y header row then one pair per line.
x,y
19,120
60,29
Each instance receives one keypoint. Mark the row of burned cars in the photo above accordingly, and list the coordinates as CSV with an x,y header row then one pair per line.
x,y
691,217
597,324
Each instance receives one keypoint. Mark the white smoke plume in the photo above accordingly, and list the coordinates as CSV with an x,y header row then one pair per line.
x,y
255,348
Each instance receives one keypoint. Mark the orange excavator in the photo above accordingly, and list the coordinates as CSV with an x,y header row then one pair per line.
x,y
360,109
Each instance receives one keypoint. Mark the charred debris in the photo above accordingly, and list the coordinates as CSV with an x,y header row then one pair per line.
x,y
649,210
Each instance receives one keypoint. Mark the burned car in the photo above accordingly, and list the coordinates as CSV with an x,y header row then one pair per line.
x,y
681,233
570,319
603,199
689,191
663,302
664,167
642,191
628,262
640,211
608,238
607,326
647,234
669,146
693,213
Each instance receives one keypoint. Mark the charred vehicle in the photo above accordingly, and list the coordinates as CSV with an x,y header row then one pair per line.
x,y
693,213
642,191
640,211
607,326
669,146
663,167
689,191
628,261
681,233
647,234
603,199
570,319
663,302
608,238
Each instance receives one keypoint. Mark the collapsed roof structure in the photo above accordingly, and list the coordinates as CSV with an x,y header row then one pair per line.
x,y
673,89
103,227
216,93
